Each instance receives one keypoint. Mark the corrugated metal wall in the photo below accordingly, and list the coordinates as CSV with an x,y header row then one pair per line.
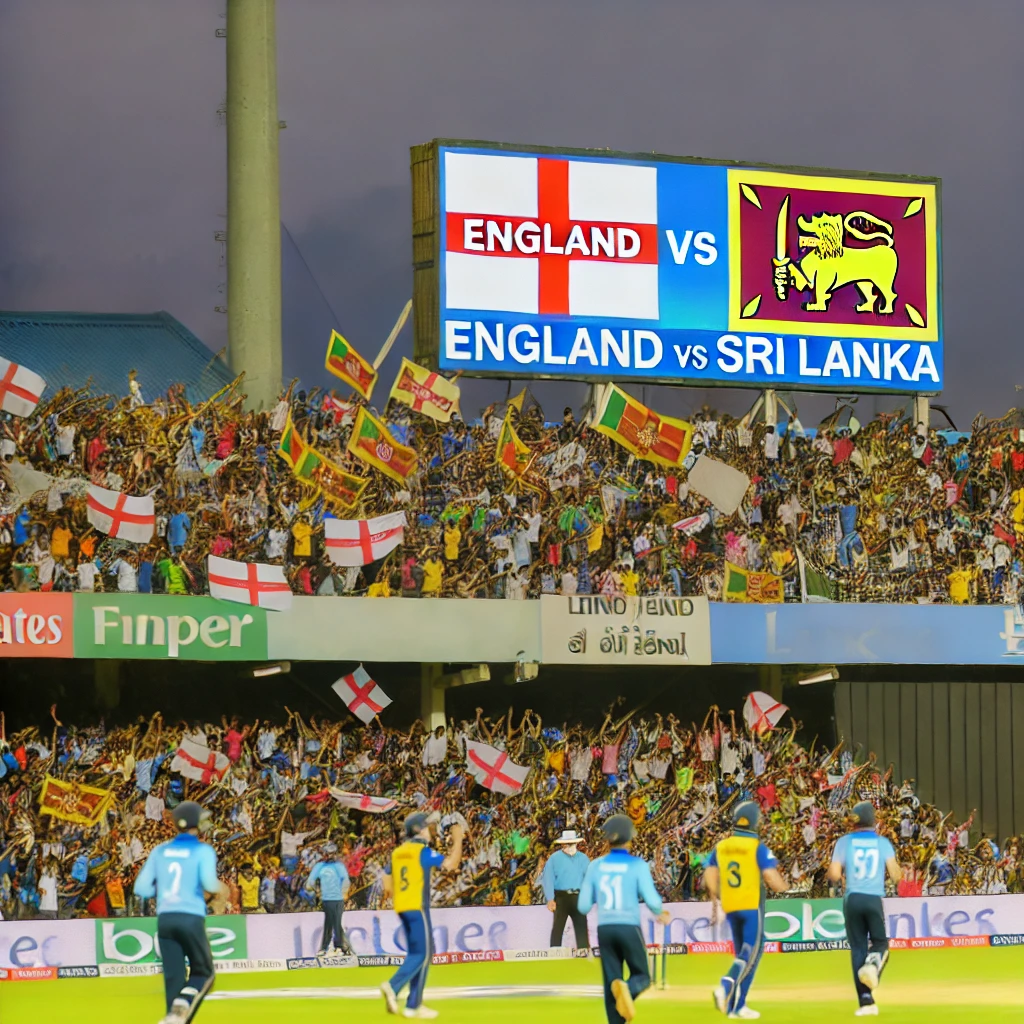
x,y
962,742
425,310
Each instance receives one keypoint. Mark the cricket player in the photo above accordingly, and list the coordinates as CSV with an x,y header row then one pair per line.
x,y
864,857
332,877
407,880
179,873
618,883
735,876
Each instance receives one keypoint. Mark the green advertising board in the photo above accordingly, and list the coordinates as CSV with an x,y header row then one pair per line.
x,y
129,626
134,940
804,920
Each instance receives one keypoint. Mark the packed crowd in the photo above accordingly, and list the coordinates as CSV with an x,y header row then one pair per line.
x,y
883,511
294,790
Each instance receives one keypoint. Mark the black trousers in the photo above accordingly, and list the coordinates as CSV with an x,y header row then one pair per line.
x,y
565,909
334,934
183,938
622,944
865,929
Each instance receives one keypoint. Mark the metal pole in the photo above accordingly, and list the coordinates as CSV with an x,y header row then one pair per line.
x,y
254,211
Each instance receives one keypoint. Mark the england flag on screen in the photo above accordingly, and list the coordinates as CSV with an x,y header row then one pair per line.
x,y
551,236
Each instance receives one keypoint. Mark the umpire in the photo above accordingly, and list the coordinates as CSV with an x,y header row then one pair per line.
x,y
561,880
179,873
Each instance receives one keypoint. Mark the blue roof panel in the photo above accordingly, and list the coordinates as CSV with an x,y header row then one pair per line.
x,y
73,348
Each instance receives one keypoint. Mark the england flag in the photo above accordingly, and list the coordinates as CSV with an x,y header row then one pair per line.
x,y
352,542
492,768
254,583
121,515
551,236
20,388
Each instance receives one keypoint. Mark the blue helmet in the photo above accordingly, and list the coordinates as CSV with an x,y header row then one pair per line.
x,y
747,815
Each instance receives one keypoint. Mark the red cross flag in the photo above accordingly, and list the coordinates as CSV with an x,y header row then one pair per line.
x,y
255,583
551,236
362,802
492,768
199,762
120,515
363,697
362,541
20,388
761,712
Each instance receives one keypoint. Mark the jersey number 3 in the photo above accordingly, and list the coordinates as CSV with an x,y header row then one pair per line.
x,y
732,874
611,892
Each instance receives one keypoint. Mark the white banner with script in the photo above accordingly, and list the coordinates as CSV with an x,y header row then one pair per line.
x,y
596,630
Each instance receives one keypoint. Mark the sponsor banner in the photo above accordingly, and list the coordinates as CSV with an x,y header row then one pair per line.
x,y
47,943
481,956
380,961
36,626
252,966
585,630
78,972
128,970
397,629
30,974
1007,940
132,941
598,266
555,953
859,634
158,626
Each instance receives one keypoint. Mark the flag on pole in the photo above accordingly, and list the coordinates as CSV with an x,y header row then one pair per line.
x,y
751,587
511,454
253,583
197,761
121,515
362,802
74,802
815,587
723,485
493,769
20,388
640,430
348,365
425,392
372,442
353,542
762,712
362,696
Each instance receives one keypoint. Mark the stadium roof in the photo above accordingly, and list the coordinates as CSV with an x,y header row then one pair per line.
x,y
100,348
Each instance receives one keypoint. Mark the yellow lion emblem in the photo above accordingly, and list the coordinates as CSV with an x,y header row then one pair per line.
x,y
831,264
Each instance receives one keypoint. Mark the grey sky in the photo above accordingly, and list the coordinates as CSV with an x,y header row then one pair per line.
x,y
112,176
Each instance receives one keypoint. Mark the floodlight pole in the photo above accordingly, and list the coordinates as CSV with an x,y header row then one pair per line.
x,y
922,411
254,209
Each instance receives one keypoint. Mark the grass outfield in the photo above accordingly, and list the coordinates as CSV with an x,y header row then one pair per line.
x,y
920,986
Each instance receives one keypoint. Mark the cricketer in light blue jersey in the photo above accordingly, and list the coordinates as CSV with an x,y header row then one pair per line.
x,y
618,883
863,855
179,873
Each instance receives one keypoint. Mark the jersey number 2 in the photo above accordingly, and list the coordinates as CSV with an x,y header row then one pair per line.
x,y
611,892
174,869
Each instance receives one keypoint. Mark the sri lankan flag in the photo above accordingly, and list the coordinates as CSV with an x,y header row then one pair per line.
x,y
74,802
511,454
346,363
372,442
751,587
640,430
311,467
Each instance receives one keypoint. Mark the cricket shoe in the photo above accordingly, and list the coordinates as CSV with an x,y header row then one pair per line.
x,y
744,1013
623,1000
721,995
390,999
868,974
871,1010
420,1013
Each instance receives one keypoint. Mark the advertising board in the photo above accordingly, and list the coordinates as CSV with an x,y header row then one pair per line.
x,y
36,625
595,266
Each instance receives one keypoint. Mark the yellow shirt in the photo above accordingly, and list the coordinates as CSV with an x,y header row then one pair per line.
x,y
740,860
410,875
433,570
382,589
452,536
1018,508
631,583
302,532
960,585
115,893
250,889
595,539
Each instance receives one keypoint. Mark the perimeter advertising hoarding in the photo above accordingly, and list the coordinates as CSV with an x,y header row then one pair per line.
x,y
596,266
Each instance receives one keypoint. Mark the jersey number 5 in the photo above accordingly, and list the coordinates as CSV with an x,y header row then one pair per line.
x,y
403,878
611,892
732,874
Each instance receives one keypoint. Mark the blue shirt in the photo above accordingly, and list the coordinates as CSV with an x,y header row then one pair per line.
x,y
863,855
333,879
563,872
178,873
177,529
618,883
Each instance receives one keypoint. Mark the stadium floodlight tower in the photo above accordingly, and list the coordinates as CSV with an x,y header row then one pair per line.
x,y
254,207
